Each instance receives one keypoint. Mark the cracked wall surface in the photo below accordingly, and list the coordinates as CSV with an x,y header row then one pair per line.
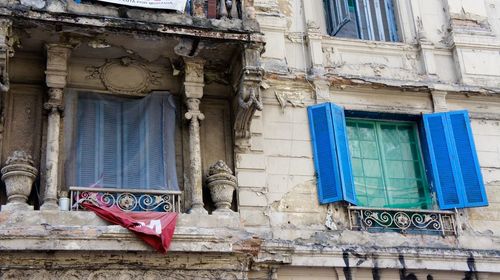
x,y
448,58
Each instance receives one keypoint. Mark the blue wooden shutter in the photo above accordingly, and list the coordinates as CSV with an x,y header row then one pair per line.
x,y
337,15
331,153
343,154
445,177
474,191
456,176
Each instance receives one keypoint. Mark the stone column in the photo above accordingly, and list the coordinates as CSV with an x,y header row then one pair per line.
x,y
56,73
193,91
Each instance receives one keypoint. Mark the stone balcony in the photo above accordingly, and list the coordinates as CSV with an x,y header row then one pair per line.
x,y
201,17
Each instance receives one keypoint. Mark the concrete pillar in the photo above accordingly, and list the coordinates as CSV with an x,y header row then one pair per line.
x,y
56,73
193,91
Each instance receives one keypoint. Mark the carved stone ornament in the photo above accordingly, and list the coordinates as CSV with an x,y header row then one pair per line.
x,y
222,184
18,175
248,97
124,76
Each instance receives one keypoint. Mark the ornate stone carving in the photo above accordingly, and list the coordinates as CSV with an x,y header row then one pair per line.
x,y
222,184
18,175
296,99
138,77
248,99
6,51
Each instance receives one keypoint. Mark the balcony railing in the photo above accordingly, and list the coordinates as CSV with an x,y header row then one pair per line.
x,y
127,199
402,220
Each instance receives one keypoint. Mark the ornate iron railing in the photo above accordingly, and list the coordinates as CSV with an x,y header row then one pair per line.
x,y
127,199
402,220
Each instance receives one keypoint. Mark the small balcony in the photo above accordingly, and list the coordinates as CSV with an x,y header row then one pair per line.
x,y
127,199
402,220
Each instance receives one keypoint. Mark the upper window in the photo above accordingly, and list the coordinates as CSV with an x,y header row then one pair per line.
x,y
379,163
121,142
361,19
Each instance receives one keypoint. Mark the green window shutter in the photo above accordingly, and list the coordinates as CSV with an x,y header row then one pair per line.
x,y
329,140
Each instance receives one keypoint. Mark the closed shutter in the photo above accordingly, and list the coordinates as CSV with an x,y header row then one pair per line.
x,y
331,153
456,175
475,194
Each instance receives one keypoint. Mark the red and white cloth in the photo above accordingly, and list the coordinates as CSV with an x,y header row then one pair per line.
x,y
155,228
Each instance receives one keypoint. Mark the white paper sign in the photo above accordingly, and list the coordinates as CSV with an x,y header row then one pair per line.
x,y
178,5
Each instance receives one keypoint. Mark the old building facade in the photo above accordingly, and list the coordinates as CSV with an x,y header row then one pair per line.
x,y
361,138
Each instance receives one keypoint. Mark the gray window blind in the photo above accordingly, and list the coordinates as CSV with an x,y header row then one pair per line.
x,y
125,143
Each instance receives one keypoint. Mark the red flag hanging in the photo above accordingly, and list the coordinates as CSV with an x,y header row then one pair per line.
x,y
155,228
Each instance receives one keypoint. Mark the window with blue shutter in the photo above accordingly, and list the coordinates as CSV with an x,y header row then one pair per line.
x,y
457,177
380,162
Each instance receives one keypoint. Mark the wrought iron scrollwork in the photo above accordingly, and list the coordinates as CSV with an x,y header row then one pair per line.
x,y
403,220
127,200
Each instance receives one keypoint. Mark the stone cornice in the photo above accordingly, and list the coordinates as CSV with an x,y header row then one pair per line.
x,y
186,27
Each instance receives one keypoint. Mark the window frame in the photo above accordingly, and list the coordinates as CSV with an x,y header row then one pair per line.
x,y
384,14
416,128
71,142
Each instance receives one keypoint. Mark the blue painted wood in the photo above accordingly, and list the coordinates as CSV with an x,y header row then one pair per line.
x,y
446,179
343,154
474,192
325,153
337,15
391,21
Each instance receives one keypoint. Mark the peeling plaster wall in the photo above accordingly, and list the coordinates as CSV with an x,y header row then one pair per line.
x,y
441,42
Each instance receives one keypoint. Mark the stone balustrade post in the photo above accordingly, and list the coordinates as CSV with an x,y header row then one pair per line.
x,y
56,73
193,91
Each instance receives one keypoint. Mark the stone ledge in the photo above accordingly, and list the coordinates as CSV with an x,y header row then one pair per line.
x,y
81,230
313,255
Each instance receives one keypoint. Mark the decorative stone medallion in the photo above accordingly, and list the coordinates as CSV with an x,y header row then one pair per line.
x,y
124,75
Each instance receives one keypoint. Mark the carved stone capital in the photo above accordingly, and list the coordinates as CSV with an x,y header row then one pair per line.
x,y
194,80
57,65
55,101
439,100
